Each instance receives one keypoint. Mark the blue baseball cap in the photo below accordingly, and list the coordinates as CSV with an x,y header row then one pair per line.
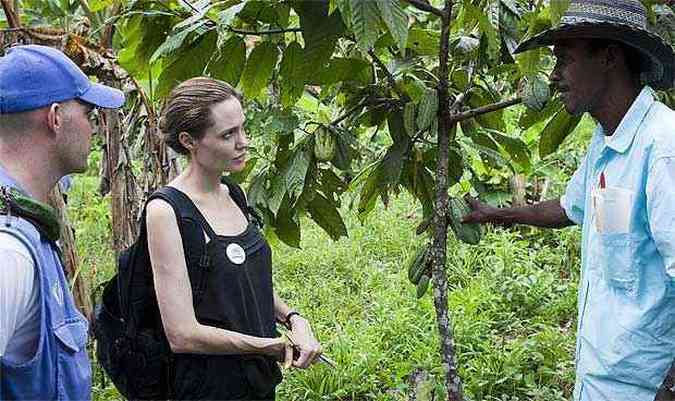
x,y
34,76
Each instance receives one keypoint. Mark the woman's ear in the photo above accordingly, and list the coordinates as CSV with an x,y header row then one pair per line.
x,y
186,140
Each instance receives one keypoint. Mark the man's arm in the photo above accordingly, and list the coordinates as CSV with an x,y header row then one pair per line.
x,y
548,214
17,296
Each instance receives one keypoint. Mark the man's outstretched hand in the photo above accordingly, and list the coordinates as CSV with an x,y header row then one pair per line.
x,y
481,213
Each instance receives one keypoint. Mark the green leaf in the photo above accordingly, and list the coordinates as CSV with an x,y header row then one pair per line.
x,y
343,70
228,14
558,8
228,64
515,147
467,44
427,110
344,151
536,92
425,42
286,225
256,193
555,132
277,193
532,117
99,5
290,73
259,68
494,120
142,36
188,64
409,118
295,173
365,23
175,41
324,213
396,20
320,32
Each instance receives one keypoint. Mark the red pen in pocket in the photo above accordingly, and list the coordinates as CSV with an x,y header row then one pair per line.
x,y
603,185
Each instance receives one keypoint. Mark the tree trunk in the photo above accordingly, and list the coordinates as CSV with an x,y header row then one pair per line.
x,y
438,250
123,189
421,386
79,284
518,190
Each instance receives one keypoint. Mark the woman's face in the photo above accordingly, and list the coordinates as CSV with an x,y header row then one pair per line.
x,y
224,144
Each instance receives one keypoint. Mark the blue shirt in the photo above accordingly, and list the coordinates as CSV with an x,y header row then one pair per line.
x,y
623,195
60,368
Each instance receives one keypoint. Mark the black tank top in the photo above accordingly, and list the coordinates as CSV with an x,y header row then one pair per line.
x,y
231,279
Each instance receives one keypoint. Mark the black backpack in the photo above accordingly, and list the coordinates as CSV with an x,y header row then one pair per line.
x,y
131,345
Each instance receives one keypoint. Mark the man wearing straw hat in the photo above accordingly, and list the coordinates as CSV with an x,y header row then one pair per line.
x,y
623,196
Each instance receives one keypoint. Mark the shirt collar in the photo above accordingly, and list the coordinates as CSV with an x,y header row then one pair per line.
x,y
628,128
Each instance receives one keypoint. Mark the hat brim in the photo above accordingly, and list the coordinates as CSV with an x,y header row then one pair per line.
x,y
659,54
103,96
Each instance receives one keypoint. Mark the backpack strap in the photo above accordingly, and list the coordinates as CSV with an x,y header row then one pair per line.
x,y
239,198
182,207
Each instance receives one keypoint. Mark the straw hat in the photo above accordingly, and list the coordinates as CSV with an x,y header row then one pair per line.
x,y
624,21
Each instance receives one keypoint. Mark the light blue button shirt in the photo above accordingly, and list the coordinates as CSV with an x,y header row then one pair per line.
x,y
626,329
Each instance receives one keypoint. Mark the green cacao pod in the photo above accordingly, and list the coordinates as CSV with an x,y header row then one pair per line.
x,y
469,233
417,265
40,214
422,286
324,144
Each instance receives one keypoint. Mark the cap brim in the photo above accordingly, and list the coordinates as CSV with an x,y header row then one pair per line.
x,y
103,96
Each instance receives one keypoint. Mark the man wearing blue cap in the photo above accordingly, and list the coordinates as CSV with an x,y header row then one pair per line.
x,y
45,134
622,195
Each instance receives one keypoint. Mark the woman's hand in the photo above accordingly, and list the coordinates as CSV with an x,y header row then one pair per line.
x,y
305,342
283,350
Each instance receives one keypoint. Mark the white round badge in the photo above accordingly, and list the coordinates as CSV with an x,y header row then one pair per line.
x,y
236,254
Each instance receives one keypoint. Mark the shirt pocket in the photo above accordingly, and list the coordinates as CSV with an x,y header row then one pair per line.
x,y
74,370
620,262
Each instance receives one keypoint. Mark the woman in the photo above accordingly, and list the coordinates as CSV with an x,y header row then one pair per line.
x,y
224,346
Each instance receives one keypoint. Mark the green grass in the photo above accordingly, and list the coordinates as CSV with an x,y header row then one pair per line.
x,y
512,299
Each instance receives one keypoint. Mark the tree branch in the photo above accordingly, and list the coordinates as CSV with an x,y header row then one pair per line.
x,y
12,17
485,109
260,33
424,6
87,11
349,112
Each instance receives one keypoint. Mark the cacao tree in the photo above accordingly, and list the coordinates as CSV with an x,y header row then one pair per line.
x,y
350,96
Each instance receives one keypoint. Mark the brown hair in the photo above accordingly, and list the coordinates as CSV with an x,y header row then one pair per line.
x,y
188,109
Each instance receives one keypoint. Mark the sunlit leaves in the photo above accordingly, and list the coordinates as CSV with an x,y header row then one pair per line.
x,y
292,81
558,8
365,22
229,61
190,63
428,109
555,132
396,20
259,68
535,92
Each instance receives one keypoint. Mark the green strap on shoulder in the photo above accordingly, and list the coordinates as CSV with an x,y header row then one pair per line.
x,y
43,216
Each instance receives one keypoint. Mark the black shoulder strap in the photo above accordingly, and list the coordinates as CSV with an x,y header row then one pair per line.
x,y
183,206
238,196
